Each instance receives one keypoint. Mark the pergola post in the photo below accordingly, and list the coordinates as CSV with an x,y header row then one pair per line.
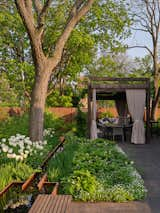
x,y
94,110
89,111
93,129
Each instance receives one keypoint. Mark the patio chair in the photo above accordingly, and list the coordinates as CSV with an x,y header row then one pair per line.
x,y
118,131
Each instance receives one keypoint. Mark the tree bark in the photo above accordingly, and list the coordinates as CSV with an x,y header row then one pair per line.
x,y
44,65
156,84
155,100
37,108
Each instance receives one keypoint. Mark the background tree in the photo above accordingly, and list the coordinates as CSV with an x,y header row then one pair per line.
x,y
93,33
46,57
33,17
142,67
146,17
15,54
112,65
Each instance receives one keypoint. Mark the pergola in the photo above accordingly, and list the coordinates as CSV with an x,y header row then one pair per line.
x,y
106,88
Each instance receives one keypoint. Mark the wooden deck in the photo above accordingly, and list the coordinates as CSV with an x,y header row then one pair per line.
x,y
109,207
51,204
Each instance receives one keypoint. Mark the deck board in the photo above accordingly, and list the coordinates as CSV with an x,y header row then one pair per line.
x,y
51,204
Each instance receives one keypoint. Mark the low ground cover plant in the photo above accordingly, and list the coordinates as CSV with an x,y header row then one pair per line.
x,y
96,171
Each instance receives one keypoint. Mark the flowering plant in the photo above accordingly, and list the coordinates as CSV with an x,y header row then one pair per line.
x,y
19,147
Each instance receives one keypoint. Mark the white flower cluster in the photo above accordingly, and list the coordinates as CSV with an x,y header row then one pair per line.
x,y
20,146
48,132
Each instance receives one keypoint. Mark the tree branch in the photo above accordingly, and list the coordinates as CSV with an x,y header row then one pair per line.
x,y
24,8
74,19
26,15
38,6
140,29
144,47
43,13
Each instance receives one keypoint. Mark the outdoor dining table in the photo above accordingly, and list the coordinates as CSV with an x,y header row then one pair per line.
x,y
113,130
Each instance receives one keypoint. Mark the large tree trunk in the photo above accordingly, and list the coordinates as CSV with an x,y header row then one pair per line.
x,y
156,86
155,100
38,105
33,17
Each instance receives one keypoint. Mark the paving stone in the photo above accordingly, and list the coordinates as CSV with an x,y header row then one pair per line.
x,y
147,162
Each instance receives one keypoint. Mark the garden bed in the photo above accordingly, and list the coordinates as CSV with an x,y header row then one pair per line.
x,y
96,171
21,157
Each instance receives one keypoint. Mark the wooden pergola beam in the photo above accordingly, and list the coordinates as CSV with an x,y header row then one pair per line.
x,y
116,87
94,78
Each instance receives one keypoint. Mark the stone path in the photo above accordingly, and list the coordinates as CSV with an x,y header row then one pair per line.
x,y
147,161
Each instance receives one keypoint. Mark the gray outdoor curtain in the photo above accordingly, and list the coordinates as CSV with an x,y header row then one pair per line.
x,y
121,106
93,121
136,103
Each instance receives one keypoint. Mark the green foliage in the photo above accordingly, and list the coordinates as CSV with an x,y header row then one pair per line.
x,y
96,171
10,169
19,124
14,125
81,123
102,28
143,67
15,58
56,100
14,172
51,121
8,95
86,184
106,114
37,157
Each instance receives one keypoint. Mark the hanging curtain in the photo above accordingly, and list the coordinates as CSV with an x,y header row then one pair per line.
x,y
136,103
121,106
93,121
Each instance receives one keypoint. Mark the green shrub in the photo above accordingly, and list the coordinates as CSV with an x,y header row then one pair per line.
x,y
20,124
14,125
51,121
14,172
106,114
82,184
81,123
95,170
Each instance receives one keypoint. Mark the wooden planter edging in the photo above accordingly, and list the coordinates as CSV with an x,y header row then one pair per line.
x,y
14,183
34,175
29,180
41,182
50,154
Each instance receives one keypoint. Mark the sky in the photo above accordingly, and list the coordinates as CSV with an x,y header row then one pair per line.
x,y
138,38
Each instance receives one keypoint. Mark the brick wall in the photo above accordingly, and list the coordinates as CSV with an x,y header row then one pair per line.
x,y
68,113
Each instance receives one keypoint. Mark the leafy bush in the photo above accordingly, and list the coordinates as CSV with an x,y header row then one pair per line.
x,y
56,100
14,172
20,124
96,171
51,121
81,121
107,114
14,125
